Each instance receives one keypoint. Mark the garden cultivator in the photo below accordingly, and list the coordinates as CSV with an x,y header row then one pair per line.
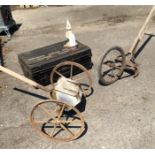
x,y
115,61
58,118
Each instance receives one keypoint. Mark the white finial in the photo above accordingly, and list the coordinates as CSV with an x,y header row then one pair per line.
x,y
70,36
68,25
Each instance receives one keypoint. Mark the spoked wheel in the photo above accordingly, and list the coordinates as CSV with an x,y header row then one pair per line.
x,y
111,66
57,121
71,70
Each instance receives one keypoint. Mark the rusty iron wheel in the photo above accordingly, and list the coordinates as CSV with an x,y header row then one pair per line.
x,y
112,66
57,121
74,71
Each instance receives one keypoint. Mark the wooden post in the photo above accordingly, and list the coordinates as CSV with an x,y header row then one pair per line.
x,y
142,31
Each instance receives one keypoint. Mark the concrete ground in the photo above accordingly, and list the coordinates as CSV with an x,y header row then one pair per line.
x,y
118,116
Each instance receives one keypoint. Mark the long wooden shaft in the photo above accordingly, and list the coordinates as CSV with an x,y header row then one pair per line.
x,y
141,32
28,81
23,78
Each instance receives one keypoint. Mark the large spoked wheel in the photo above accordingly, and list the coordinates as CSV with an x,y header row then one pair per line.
x,y
71,70
112,66
57,121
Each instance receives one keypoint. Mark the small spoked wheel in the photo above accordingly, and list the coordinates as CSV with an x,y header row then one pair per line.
x,y
57,121
75,72
112,66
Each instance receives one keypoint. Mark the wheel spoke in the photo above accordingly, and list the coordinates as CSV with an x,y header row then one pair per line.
x,y
44,109
58,132
66,129
118,67
61,111
52,132
59,73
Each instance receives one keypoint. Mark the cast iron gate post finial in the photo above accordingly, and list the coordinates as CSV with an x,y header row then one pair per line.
x,y
70,36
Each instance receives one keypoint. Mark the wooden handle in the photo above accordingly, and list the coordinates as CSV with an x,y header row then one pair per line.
x,y
23,78
141,32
